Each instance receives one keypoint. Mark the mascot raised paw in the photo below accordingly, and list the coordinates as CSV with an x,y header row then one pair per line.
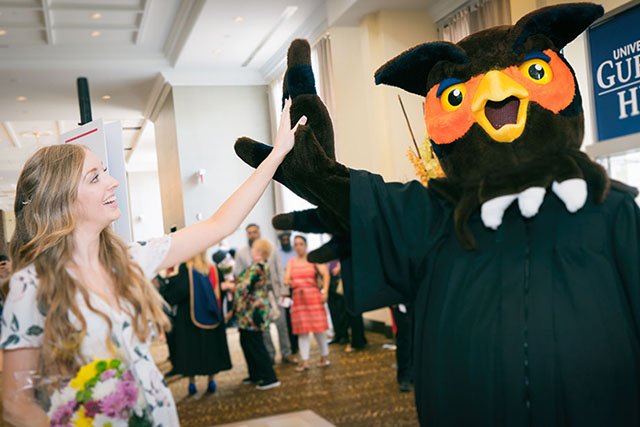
x,y
527,313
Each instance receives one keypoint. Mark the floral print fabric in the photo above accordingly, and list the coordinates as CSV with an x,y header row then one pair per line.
x,y
251,298
23,326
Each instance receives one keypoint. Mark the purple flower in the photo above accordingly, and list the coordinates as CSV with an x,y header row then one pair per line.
x,y
62,415
107,374
113,405
129,392
128,376
91,408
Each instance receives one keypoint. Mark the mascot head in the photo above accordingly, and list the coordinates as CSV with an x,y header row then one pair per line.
x,y
500,98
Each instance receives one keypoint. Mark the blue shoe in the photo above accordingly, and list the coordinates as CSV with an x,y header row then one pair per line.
x,y
192,389
212,387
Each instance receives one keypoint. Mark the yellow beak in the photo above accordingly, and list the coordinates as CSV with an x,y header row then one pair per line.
x,y
500,106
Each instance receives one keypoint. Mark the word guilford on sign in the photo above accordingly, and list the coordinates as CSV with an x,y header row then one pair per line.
x,y
614,48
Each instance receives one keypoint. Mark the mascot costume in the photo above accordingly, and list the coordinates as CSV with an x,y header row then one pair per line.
x,y
523,263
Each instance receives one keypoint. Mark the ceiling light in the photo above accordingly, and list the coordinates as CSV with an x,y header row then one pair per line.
x,y
106,96
21,98
94,33
95,15
216,51
238,19
3,32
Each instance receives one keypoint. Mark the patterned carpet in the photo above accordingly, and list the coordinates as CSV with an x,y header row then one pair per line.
x,y
358,389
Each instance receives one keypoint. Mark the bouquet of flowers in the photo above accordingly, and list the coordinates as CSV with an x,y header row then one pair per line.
x,y
103,393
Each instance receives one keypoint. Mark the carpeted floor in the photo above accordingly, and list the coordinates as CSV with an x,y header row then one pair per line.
x,y
358,389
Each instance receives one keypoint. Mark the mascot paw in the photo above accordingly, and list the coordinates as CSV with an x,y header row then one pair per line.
x,y
530,200
572,192
493,210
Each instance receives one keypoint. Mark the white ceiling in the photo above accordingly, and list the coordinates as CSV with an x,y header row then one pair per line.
x,y
46,44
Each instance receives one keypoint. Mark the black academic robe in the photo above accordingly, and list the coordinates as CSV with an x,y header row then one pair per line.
x,y
197,351
538,326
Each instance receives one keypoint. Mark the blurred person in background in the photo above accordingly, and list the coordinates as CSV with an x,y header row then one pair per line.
x,y
308,315
342,319
276,289
197,349
251,310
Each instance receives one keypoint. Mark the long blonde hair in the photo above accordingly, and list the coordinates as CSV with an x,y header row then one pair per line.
x,y
200,263
45,195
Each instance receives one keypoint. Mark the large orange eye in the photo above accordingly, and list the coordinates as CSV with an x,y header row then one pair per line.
x,y
451,98
537,70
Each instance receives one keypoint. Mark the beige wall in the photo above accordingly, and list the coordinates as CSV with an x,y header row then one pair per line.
x,y
169,166
519,8
145,204
209,120
370,129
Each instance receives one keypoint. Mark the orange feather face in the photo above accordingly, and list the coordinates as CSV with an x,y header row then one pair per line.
x,y
498,100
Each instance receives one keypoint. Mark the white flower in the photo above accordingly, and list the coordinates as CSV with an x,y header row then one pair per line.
x,y
141,404
102,388
101,419
61,397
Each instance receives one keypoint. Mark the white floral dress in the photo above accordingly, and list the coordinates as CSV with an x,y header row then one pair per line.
x,y
23,323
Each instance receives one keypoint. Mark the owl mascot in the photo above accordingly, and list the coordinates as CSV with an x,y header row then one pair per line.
x,y
523,263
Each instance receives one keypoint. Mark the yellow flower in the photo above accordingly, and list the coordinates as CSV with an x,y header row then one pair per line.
x,y
84,374
81,420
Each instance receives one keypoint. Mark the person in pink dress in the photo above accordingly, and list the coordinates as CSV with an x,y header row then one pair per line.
x,y
308,314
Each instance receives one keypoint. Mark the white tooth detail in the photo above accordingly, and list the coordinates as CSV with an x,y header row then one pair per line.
x,y
529,201
492,210
109,200
572,192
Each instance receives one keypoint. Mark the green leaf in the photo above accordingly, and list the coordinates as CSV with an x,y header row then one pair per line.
x,y
13,339
137,421
35,330
101,366
15,325
93,381
115,363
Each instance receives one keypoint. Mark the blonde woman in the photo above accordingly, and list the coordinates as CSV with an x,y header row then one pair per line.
x,y
78,293
197,349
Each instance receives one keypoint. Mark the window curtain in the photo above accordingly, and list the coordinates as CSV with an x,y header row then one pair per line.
x,y
474,16
285,200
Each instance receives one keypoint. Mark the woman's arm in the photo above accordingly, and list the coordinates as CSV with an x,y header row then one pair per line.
x,y
18,404
326,277
196,238
287,275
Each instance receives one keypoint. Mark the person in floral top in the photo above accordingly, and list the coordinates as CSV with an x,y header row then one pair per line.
x,y
77,292
252,315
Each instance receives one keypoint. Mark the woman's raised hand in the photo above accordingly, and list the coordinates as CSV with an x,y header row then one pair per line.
x,y
286,135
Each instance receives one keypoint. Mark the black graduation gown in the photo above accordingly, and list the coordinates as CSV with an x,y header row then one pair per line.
x,y
197,351
538,326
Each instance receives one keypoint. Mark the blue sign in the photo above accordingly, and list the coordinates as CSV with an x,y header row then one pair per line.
x,y
614,48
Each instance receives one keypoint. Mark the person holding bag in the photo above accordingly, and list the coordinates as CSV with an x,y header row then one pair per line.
x,y
252,310
308,314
